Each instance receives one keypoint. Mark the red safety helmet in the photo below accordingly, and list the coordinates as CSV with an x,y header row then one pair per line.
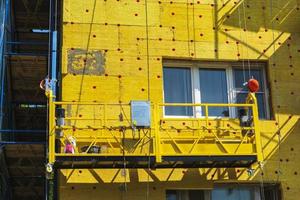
x,y
253,85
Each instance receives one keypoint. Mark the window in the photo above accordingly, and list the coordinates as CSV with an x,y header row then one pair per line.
x,y
213,88
247,192
229,192
237,192
272,191
178,89
211,82
241,92
187,195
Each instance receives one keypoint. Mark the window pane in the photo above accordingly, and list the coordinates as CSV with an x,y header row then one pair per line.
x,y
171,195
261,105
241,76
178,89
271,192
238,82
241,98
213,87
185,195
233,193
196,195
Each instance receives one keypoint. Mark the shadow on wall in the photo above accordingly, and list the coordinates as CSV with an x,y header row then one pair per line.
x,y
254,15
275,26
279,34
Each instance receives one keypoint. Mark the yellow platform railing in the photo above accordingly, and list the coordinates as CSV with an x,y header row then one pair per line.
x,y
108,127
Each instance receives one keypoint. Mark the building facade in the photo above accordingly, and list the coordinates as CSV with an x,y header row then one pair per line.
x,y
195,54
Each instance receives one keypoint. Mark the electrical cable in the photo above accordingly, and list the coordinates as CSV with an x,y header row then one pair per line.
x,y
124,159
86,56
123,111
262,187
246,30
276,118
279,163
149,167
148,76
249,71
147,46
240,26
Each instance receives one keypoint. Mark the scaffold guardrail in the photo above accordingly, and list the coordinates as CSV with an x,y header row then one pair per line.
x,y
104,132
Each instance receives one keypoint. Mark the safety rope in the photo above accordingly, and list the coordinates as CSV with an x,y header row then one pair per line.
x,y
262,187
246,39
124,161
240,26
148,85
86,56
149,168
274,65
249,74
147,47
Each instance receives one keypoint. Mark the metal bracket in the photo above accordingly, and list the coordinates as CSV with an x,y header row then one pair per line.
x,y
49,170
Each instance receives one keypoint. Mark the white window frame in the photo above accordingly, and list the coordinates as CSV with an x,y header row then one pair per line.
x,y
231,92
193,94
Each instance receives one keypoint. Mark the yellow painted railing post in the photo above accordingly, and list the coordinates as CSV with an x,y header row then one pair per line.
x,y
156,133
51,128
256,127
